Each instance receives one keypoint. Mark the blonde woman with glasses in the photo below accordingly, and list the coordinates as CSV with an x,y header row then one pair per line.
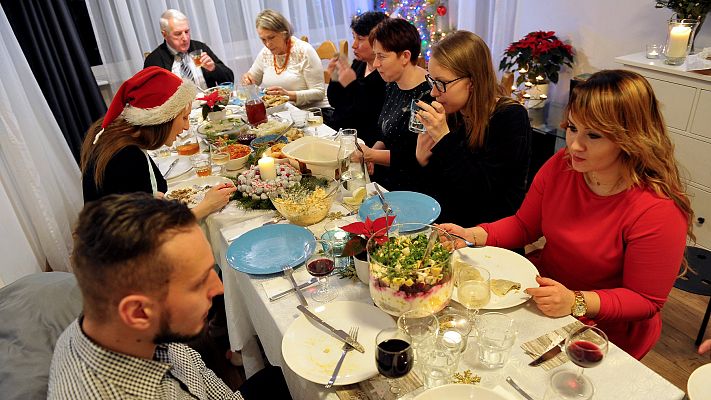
x,y
613,210
477,142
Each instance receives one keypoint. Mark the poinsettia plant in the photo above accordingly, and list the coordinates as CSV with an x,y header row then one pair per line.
x,y
214,101
538,57
361,232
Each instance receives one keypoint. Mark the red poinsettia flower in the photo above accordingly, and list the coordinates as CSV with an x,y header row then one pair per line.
x,y
212,98
364,231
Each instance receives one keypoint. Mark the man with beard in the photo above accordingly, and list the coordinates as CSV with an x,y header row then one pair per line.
x,y
147,278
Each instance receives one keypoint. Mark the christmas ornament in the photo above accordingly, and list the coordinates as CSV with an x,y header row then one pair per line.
x,y
441,10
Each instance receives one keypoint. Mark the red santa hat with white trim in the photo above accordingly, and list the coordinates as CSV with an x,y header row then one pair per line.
x,y
151,97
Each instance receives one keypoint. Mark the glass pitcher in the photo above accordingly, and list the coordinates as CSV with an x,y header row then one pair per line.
x,y
352,170
254,107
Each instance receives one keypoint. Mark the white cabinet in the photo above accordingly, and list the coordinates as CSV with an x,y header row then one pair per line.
x,y
685,99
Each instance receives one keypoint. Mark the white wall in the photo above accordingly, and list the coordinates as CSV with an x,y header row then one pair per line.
x,y
598,30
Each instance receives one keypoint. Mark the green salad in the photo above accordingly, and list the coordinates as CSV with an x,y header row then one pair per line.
x,y
397,264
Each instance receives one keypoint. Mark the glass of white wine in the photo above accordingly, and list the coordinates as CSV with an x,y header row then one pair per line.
x,y
474,288
220,156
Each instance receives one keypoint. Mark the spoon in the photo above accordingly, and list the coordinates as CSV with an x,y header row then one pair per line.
x,y
430,245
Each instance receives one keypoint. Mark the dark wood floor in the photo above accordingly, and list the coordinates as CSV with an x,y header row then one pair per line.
x,y
674,357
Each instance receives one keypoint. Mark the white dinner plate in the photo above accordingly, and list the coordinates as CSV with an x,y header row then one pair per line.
x,y
458,391
197,183
501,264
312,351
698,386
182,166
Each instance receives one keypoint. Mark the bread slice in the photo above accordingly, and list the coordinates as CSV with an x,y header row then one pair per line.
x,y
502,286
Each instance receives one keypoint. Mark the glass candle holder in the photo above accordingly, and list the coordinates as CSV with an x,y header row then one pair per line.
x,y
654,51
679,38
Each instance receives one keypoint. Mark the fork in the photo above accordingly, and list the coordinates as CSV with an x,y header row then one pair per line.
x,y
346,348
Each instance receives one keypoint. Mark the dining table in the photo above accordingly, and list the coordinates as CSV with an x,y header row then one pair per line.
x,y
251,315
620,376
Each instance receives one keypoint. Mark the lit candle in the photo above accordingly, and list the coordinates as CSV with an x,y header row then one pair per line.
x,y
513,87
678,41
653,53
526,96
528,84
522,71
539,78
267,168
543,96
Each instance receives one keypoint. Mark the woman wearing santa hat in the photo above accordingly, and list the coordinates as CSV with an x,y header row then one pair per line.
x,y
149,110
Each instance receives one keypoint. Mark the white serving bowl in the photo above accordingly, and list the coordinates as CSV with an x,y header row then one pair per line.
x,y
317,154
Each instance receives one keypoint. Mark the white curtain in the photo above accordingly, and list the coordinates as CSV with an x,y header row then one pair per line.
x,y
40,190
125,29
493,20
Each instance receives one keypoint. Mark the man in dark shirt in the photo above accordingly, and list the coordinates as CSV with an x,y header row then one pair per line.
x,y
173,54
147,278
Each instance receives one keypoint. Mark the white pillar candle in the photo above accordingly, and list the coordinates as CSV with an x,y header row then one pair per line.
x,y
678,41
267,169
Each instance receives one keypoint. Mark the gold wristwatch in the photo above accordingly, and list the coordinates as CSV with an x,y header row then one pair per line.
x,y
579,308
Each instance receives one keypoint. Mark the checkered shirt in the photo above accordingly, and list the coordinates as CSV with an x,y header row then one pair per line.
x,y
81,369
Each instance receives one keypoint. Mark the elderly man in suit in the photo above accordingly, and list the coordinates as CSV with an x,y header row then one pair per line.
x,y
173,53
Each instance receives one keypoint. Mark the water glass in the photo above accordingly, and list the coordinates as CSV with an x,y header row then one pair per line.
x,y
163,151
473,288
422,328
440,363
315,117
497,334
220,156
415,125
299,117
241,94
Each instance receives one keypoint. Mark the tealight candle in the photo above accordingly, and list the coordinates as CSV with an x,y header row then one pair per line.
x,y
267,168
528,84
452,339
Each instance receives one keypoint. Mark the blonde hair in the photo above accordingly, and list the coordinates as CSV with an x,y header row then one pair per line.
x,y
621,104
273,21
466,54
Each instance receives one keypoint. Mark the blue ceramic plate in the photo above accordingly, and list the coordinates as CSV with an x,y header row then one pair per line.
x,y
408,207
267,138
265,250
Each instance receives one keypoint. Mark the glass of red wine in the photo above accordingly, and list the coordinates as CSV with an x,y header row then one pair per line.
x,y
394,355
585,347
320,264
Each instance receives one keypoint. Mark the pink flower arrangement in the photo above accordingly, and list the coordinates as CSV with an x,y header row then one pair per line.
x,y
538,57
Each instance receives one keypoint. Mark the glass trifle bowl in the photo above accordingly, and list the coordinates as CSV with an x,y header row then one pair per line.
x,y
399,280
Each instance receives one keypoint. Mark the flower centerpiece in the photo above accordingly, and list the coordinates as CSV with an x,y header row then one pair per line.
x,y
361,232
538,58
215,101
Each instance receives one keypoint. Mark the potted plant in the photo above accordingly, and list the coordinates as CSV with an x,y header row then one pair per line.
x,y
538,58
215,102
356,246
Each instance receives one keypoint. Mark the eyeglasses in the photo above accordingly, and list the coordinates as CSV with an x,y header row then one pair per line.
x,y
440,85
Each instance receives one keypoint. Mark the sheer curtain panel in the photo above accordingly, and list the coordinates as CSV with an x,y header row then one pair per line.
x,y
40,191
125,29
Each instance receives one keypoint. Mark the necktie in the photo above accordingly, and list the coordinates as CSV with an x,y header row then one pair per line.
x,y
185,68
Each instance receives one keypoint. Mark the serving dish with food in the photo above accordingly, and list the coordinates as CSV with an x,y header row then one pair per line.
x,y
306,202
401,278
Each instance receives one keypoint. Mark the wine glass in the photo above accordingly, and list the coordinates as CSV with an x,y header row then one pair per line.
x,y
474,288
320,264
394,355
585,347
220,156
352,173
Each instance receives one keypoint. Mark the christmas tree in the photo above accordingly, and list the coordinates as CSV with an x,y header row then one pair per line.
x,y
430,17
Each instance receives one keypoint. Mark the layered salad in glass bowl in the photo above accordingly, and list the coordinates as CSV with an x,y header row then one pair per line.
x,y
399,279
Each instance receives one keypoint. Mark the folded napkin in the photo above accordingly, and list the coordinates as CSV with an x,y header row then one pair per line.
x,y
541,344
378,388
282,283
232,232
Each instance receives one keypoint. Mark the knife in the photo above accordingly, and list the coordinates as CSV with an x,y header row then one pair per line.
x,y
340,334
386,207
552,352
170,167
290,274
284,293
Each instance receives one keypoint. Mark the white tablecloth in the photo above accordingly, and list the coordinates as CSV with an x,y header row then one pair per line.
x,y
618,377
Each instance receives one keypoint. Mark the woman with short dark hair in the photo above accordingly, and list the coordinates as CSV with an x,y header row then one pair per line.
x,y
356,93
396,44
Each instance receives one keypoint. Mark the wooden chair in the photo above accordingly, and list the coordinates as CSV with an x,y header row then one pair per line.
x,y
326,51
698,281
304,38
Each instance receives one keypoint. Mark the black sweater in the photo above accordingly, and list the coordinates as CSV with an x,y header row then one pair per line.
x,y
486,184
161,57
126,172
358,105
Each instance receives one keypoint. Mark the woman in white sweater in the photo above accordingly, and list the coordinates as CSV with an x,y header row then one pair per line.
x,y
286,65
